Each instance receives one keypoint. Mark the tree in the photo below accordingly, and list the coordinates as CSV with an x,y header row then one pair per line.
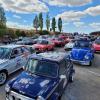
x,y
41,21
2,18
60,24
36,23
47,22
53,24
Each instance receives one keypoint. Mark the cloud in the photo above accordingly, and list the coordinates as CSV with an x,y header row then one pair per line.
x,y
95,26
94,11
17,25
24,6
16,16
67,2
69,16
79,24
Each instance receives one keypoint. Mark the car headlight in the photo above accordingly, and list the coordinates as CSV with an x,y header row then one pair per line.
x,y
40,98
7,88
86,57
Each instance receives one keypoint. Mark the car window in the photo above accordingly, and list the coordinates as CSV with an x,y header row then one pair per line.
x,y
16,52
63,65
42,67
23,49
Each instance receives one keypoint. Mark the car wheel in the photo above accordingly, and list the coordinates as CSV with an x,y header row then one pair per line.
x,y
90,63
3,77
71,78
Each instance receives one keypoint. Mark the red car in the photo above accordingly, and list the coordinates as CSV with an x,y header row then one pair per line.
x,y
43,45
96,45
58,42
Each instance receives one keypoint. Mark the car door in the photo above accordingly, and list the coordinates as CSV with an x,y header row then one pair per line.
x,y
63,77
15,60
25,55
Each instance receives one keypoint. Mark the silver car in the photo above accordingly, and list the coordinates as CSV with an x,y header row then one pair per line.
x,y
12,58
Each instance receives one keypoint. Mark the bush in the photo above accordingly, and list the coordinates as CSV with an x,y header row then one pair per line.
x,y
2,32
44,32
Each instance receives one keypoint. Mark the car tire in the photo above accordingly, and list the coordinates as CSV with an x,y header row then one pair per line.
x,y
71,78
4,75
90,63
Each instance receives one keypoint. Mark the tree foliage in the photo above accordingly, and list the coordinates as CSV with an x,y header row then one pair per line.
x,y
36,23
53,24
41,21
2,18
60,25
47,22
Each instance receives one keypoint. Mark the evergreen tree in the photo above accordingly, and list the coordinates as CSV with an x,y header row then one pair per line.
x,y
53,24
36,23
2,18
41,21
47,22
60,25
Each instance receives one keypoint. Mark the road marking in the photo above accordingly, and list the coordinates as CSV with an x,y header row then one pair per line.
x,y
96,74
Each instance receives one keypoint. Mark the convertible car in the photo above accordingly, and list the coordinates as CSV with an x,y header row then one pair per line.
x,y
96,45
43,45
82,53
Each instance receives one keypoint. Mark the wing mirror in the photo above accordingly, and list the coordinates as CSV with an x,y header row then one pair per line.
x,y
62,76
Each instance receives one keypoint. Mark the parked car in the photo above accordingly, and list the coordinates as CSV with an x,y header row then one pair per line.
x,y
26,41
45,77
69,45
43,45
58,42
96,45
82,52
12,58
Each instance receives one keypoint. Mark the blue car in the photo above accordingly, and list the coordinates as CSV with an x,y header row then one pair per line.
x,y
45,77
82,52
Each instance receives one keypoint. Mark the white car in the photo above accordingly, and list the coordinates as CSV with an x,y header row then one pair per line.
x,y
69,45
12,58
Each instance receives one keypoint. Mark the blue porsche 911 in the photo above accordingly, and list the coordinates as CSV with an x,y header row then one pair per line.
x,y
82,52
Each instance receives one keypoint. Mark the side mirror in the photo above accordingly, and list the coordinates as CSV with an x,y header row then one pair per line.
x,y
23,67
62,76
12,57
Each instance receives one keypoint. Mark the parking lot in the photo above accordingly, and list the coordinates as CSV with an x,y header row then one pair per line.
x,y
86,85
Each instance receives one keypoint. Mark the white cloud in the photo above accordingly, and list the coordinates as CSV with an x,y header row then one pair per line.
x,y
16,16
17,25
24,21
95,26
68,2
79,24
24,6
94,11
71,15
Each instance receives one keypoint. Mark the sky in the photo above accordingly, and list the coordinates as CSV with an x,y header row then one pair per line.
x,y
81,16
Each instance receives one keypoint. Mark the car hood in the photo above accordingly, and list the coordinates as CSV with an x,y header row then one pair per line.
x,y
2,61
69,45
32,86
78,54
39,45
96,45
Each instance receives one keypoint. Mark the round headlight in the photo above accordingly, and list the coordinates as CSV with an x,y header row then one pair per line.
x,y
40,98
7,88
86,57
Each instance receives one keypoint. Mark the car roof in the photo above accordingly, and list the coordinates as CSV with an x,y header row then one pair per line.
x,y
50,56
12,46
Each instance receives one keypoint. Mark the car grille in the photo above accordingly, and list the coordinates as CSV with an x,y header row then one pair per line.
x,y
16,96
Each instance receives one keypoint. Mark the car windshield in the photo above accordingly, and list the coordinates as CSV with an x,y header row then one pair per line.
x,y
41,67
97,41
43,42
82,44
5,53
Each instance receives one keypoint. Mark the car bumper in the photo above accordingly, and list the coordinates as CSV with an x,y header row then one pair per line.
x,y
81,62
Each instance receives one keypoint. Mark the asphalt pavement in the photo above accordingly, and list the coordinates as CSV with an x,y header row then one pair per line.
x,y
86,85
